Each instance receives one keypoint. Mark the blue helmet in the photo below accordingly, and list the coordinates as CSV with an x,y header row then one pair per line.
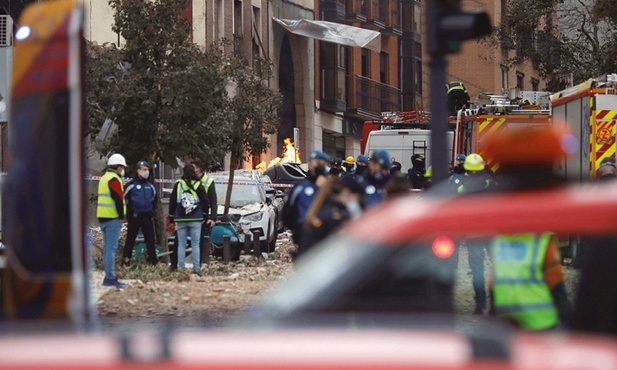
x,y
362,159
382,157
143,163
460,157
317,154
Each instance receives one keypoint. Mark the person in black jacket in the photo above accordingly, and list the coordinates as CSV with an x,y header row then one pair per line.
x,y
189,208
141,198
337,201
415,174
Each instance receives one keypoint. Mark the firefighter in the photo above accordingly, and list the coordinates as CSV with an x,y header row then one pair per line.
x,y
348,165
528,286
458,97
376,178
475,180
302,195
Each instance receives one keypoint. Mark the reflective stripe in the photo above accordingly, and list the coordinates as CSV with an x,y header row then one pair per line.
x,y
107,205
524,307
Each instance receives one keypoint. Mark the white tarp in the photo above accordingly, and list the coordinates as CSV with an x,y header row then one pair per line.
x,y
333,32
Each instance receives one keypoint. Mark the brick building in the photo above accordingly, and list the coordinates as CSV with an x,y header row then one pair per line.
x,y
480,67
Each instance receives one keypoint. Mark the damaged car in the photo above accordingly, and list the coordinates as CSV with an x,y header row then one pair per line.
x,y
249,208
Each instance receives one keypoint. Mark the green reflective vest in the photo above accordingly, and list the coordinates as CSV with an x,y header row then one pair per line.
x,y
106,207
194,213
206,181
520,291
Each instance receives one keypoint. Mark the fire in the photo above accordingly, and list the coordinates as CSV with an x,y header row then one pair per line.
x,y
290,154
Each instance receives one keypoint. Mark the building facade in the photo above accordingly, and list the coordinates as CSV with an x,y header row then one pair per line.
x,y
353,84
481,68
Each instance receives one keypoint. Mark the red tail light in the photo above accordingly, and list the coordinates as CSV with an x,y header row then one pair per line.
x,y
443,247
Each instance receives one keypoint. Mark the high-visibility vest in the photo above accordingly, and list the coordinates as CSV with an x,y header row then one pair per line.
x,y
206,181
520,291
106,206
187,215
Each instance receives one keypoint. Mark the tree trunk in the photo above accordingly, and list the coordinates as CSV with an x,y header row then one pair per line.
x,y
232,167
159,227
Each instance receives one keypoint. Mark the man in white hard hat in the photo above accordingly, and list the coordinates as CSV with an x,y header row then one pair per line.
x,y
111,212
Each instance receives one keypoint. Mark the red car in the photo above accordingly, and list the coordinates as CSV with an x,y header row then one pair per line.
x,y
390,291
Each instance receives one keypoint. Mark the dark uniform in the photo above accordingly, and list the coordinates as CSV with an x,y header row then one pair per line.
x,y
141,196
415,175
329,218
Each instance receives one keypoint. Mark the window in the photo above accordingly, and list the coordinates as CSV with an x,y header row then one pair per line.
x,y
219,24
417,14
366,54
520,80
504,77
535,84
383,67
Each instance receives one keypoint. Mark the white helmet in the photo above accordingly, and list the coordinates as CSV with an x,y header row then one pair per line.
x,y
116,160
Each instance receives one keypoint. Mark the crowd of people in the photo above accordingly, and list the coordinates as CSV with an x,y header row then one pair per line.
x,y
192,208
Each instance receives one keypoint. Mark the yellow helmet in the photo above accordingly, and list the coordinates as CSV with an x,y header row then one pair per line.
x,y
350,160
474,163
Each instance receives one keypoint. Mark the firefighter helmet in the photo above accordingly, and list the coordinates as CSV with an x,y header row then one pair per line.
x,y
474,163
350,160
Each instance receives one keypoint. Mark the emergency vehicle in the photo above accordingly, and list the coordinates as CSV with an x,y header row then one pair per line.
x,y
402,134
493,112
589,112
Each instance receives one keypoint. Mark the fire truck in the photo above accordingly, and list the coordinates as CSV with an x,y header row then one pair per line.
x,y
493,112
403,134
589,111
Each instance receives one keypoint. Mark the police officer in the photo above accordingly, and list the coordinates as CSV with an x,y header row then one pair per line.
x,y
302,195
336,167
111,212
376,178
458,171
361,166
141,198
337,201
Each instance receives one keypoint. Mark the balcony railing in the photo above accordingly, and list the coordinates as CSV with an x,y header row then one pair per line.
x,y
372,98
333,89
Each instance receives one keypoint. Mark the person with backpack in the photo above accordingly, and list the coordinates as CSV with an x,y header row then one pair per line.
x,y
141,198
189,208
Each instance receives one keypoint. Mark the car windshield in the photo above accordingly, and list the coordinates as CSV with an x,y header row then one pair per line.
x,y
241,194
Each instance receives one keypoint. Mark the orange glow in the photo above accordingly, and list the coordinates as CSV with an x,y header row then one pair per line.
x,y
290,154
443,247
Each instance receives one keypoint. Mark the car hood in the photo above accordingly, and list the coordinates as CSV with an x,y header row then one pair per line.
x,y
249,208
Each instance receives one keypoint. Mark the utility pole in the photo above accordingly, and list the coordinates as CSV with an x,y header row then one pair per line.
x,y
446,27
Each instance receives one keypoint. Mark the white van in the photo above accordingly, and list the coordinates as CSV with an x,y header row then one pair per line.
x,y
403,143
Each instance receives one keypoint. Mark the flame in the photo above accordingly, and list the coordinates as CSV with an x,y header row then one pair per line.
x,y
290,154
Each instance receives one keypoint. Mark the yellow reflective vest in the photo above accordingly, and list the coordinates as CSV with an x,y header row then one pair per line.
x,y
520,291
106,207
